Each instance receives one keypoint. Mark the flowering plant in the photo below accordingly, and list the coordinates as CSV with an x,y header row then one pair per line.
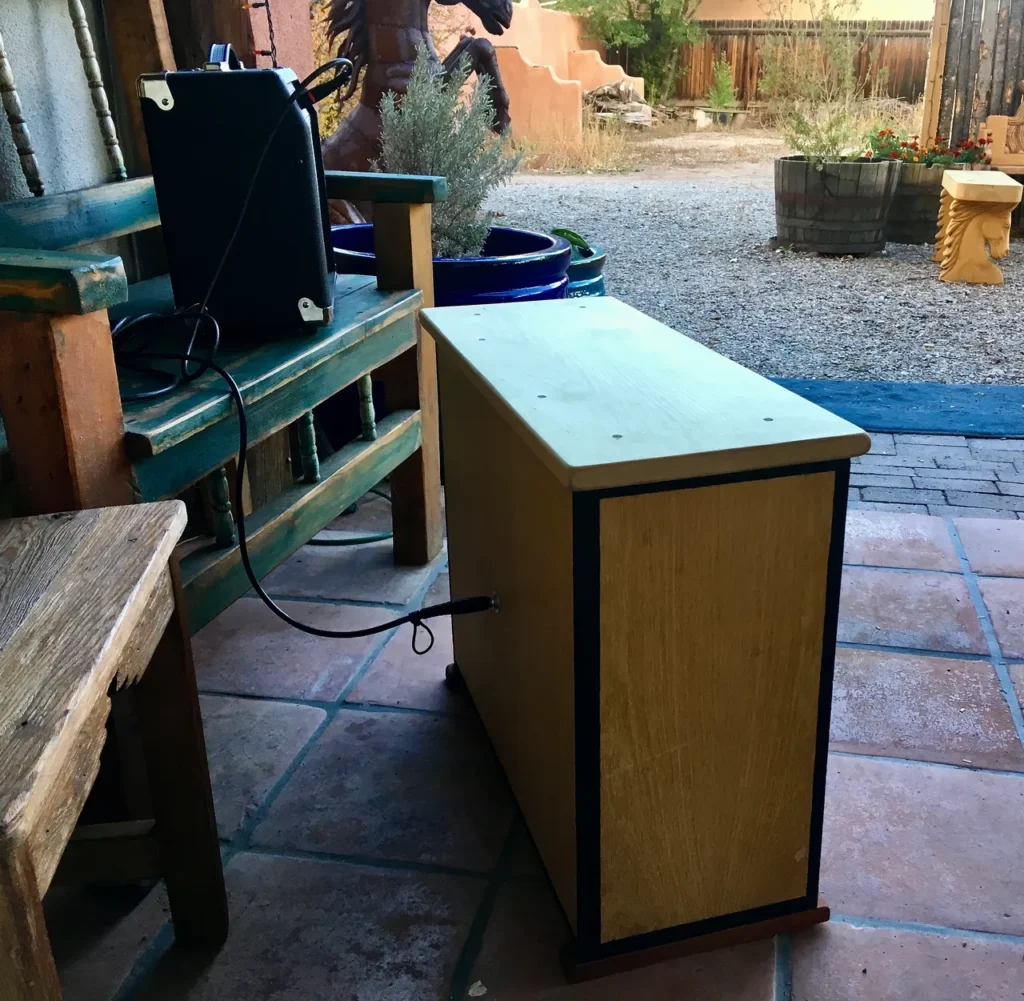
x,y
910,149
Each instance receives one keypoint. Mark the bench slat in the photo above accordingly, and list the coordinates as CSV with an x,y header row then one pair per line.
x,y
409,189
69,219
48,281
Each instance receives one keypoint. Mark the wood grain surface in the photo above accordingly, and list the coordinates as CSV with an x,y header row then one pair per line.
x,y
712,612
49,281
606,396
510,533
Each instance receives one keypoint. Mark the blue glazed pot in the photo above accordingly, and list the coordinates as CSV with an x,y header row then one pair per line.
x,y
517,265
586,274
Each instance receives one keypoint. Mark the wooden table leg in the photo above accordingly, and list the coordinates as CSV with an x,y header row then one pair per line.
x,y
180,784
27,972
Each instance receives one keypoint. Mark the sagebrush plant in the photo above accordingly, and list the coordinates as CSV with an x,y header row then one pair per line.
x,y
434,128
721,93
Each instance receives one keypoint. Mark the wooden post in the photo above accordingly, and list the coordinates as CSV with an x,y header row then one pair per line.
x,y
27,972
180,782
936,64
142,44
404,260
65,435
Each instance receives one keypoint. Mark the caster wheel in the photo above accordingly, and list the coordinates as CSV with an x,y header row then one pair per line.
x,y
453,678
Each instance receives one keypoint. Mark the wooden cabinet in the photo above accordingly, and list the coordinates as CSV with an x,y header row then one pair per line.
x,y
664,532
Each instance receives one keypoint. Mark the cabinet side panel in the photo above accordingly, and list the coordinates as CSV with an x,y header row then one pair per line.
x,y
510,533
712,615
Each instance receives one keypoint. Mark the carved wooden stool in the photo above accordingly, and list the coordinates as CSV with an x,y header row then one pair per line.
x,y
974,211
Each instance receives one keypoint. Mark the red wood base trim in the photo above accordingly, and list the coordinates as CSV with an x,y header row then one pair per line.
x,y
589,970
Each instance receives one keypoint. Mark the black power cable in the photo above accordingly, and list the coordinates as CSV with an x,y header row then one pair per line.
x,y
127,330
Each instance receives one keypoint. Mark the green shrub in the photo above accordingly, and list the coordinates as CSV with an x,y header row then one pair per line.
x,y
721,93
434,129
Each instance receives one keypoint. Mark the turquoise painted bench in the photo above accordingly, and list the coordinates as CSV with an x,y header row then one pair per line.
x,y
71,443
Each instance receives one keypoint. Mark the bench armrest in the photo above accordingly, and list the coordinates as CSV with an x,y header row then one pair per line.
x,y
54,281
367,186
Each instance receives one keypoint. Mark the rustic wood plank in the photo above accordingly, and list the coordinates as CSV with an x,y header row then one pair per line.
x,y
998,103
56,222
46,281
154,426
63,656
141,43
954,43
27,971
269,465
623,419
402,242
180,781
174,468
62,412
214,578
364,186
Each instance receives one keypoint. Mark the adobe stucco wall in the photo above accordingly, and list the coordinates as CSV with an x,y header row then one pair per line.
x,y
41,49
542,105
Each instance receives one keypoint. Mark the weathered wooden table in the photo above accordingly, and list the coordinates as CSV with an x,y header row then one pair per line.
x,y
91,600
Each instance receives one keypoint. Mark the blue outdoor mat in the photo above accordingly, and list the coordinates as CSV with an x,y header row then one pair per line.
x,y
920,407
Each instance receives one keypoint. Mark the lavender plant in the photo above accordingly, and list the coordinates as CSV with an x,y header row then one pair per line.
x,y
435,129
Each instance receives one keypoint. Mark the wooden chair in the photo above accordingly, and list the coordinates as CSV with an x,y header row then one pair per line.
x,y
73,445
90,601
1006,133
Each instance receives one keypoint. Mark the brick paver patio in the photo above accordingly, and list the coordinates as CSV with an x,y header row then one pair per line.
x,y
943,475
373,850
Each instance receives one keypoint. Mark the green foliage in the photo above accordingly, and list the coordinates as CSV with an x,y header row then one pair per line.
x,y
650,31
828,132
721,93
435,129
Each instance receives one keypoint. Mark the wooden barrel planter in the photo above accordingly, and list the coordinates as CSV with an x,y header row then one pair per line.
x,y
833,208
914,215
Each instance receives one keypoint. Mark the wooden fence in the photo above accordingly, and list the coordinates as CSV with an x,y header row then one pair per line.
x,y
892,58
979,64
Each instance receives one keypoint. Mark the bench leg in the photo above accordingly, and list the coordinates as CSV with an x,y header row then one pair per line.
x,y
402,244
27,972
180,781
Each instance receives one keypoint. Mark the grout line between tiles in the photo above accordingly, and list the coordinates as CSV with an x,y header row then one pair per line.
x,y
783,968
313,599
340,858
998,662
145,963
924,570
286,700
473,944
887,924
893,760
913,651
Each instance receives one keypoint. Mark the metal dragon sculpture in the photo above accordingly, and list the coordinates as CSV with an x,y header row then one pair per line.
x,y
381,37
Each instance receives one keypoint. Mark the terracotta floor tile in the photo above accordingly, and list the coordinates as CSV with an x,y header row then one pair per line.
x,y
908,541
396,786
924,843
921,611
250,744
519,961
1004,599
842,962
399,676
348,573
929,708
994,548
97,933
250,651
319,931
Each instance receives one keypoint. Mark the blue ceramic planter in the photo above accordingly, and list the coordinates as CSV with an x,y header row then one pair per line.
x,y
586,274
516,266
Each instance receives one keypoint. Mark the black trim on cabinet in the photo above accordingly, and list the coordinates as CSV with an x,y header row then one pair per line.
x,y
833,584
586,605
587,643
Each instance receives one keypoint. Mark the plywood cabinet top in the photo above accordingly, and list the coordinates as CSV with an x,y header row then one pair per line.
x,y
608,397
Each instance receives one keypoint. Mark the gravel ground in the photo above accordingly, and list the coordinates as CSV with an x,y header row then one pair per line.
x,y
689,246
